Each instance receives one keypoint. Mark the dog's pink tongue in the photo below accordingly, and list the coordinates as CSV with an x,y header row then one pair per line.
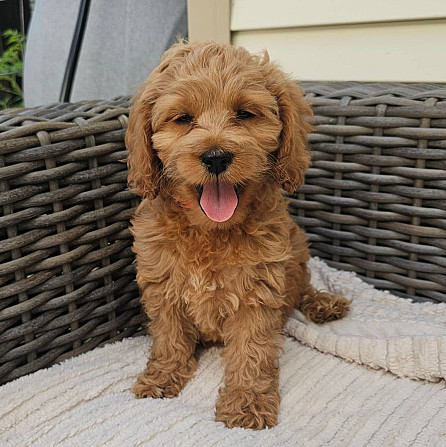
x,y
218,201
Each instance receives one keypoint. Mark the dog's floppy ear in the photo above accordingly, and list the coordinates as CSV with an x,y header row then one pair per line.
x,y
292,157
143,163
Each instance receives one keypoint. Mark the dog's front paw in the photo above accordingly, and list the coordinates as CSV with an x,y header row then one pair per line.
x,y
153,382
247,409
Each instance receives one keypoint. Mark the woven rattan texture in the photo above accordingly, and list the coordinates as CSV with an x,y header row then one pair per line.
x,y
375,198
374,202
66,274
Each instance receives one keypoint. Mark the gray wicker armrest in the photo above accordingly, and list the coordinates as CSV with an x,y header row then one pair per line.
x,y
374,202
375,198
66,276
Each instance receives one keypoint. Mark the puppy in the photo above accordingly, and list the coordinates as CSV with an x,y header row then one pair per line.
x,y
213,136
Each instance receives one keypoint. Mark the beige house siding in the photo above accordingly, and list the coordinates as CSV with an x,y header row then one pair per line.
x,y
335,40
397,51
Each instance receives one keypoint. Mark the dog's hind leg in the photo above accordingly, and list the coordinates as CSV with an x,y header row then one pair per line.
x,y
318,306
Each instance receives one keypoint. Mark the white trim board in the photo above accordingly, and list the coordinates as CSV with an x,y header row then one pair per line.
x,y
265,14
209,20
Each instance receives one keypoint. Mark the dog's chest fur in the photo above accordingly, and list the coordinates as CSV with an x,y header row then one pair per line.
x,y
210,274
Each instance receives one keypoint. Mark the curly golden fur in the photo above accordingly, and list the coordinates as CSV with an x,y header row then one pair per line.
x,y
231,280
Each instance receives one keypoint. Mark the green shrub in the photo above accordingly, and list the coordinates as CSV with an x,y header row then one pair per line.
x,y
11,70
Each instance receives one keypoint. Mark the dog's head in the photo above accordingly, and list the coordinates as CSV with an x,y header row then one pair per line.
x,y
211,125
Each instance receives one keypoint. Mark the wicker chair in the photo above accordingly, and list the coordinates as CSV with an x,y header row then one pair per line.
x,y
374,203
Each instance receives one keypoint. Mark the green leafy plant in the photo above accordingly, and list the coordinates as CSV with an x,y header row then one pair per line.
x,y
11,69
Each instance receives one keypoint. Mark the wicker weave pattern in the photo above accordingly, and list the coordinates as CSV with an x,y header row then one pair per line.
x,y
375,198
67,279
374,202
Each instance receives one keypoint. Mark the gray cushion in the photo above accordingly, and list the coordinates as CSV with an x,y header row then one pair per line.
x,y
123,42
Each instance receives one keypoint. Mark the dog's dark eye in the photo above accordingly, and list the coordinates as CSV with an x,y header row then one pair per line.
x,y
244,114
184,119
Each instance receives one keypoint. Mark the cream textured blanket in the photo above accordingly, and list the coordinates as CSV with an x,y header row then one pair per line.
x,y
85,401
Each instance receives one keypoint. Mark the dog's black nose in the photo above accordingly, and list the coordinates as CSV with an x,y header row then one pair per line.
x,y
216,162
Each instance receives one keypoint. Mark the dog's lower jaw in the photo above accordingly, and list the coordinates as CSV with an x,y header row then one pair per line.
x,y
254,198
